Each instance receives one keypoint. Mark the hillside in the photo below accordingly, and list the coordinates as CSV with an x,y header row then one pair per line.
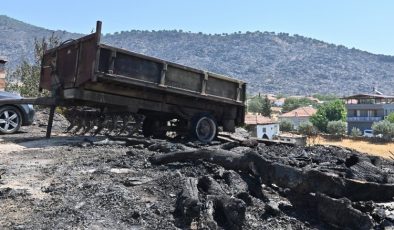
x,y
269,62
17,39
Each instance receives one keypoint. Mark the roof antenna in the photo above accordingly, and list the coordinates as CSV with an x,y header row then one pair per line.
x,y
376,91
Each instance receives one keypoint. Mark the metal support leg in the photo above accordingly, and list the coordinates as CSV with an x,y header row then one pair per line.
x,y
50,121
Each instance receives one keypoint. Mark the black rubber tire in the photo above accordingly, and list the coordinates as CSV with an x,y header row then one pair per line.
x,y
204,128
10,120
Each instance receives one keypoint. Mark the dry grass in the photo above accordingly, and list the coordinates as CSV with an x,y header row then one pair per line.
x,y
378,149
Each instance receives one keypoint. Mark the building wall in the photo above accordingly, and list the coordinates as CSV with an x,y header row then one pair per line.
x,y
364,112
270,130
380,111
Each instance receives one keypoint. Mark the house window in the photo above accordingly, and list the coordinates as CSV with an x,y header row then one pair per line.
x,y
371,113
357,113
264,130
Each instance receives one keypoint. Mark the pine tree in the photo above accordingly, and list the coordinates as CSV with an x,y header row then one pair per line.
x,y
266,107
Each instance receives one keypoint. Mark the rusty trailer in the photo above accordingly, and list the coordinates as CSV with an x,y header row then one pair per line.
x,y
87,72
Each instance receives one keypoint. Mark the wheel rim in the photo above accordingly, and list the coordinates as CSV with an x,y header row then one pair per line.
x,y
205,129
9,121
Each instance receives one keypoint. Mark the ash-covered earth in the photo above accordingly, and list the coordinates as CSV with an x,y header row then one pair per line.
x,y
81,182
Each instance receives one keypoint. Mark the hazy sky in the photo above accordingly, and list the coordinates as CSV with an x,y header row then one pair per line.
x,y
363,24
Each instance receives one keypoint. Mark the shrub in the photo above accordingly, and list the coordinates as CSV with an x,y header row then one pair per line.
x,y
384,128
336,128
307,128
390,117
355,132
286,125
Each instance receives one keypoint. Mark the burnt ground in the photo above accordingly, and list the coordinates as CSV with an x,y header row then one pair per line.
x,y
79,183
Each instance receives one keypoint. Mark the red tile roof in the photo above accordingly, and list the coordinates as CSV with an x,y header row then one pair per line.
x,y
300,112
253,119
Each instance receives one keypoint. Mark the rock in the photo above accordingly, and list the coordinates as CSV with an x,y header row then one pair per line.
x,y
229,211
246,198
272,209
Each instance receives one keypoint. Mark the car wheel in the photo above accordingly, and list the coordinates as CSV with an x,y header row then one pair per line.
x,y
10,120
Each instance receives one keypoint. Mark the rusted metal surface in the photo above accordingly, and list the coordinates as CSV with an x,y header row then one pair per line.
x,y
157,73
69,65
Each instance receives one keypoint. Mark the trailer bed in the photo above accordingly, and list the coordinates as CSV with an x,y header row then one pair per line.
x,y
86,72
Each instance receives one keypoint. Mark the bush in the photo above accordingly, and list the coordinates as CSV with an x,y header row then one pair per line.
x,y
337,128
307,128
390,117
384,128
355,132
286,125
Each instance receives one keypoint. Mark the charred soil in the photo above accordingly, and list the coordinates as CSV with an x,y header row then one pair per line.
x,y
135,183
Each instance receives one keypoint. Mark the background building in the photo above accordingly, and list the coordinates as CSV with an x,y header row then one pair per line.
x,y
2,73
261,127
365,109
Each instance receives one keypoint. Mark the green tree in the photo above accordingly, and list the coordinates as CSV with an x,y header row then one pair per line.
x,y
384,128
337,128
286,125
329,111
294,103
266,107
261,105
390,117
255,104
26,78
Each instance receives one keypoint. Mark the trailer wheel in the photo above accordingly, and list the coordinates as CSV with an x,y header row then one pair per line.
x,y
204,128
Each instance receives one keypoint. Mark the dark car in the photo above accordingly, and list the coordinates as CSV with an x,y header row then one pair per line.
x,y
13,116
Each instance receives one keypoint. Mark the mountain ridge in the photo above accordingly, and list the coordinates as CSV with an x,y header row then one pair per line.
x,y
270,62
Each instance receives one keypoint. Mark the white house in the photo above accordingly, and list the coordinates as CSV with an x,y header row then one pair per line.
x,y
261,127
